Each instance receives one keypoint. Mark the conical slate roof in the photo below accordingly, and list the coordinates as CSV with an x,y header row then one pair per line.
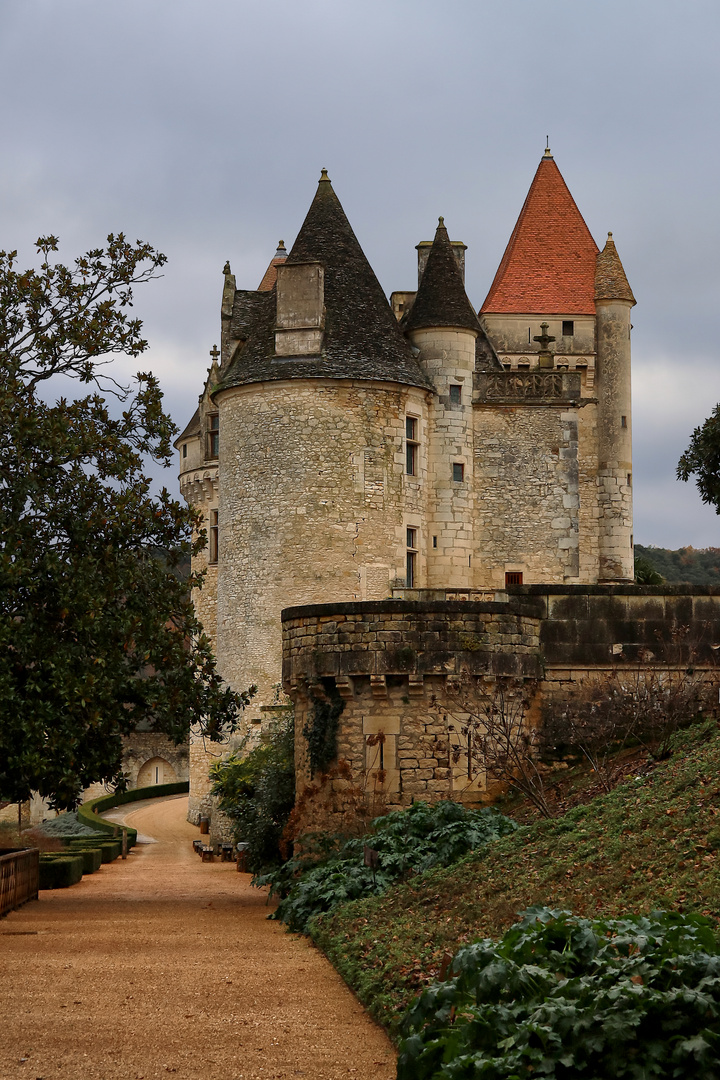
x,y
441,298
610,280
361,339
549,264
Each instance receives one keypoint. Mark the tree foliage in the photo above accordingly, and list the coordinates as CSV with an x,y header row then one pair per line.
x,y
97,629
702,460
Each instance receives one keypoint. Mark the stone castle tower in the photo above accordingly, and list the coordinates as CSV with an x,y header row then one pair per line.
x,y
348,449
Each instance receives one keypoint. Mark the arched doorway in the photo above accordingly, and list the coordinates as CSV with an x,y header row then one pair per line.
x,y
156,771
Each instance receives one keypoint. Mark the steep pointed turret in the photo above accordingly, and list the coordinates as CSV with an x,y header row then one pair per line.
x,y
610,280
549,264
327,312
441,298
614,300
443,327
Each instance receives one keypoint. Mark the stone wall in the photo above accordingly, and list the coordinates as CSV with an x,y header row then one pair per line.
x,y
395,665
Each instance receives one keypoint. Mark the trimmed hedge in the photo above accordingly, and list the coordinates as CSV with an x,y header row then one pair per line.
x,y
109,849
89,812
60,871
91,857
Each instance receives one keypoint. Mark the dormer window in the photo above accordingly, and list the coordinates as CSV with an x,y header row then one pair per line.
x,y
213,435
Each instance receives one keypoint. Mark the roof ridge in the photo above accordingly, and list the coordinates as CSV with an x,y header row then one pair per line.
x,y
441,299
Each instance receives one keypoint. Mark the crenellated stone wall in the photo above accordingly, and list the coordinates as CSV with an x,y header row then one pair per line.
x,y
394,664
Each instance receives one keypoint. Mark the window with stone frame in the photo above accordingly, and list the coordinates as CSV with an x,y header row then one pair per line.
x,y
213,537
412,445
213,435
411,558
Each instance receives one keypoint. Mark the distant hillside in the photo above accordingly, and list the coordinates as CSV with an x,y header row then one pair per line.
x,y
695,566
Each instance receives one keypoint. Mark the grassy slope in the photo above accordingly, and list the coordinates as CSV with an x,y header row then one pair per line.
x,y
650,844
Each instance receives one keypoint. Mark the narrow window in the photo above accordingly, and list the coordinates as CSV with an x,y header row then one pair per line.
x,y
213,552
458,472
213,435
568,328
157,774
629,479
455,394
411,445
184,449
513,577
623,421
410,558
435,541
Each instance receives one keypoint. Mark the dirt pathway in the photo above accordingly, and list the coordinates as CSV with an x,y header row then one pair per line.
x,y
165,965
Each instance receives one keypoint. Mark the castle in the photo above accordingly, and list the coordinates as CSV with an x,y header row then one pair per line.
x,y
347,449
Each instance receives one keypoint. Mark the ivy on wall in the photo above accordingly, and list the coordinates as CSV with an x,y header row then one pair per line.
x,y
321,728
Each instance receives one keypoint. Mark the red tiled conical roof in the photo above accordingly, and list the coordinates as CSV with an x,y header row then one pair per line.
x,y
549,264
270,276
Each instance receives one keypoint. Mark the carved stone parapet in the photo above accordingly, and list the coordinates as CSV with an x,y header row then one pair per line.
x,y
527,387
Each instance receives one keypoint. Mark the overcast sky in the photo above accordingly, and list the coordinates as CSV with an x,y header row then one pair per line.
x,y
202,127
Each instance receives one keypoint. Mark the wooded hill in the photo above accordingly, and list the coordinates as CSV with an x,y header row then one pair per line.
x,y
687,565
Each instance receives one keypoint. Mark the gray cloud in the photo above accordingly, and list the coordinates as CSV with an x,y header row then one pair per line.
x,y
202,128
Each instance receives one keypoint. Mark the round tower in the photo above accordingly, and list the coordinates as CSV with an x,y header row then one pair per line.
x,y
443,327
613,302
312,416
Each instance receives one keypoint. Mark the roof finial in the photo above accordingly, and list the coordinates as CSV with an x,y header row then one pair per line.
x,y
226,268
610,236
441,223
281,252
214,353
548,151
324,175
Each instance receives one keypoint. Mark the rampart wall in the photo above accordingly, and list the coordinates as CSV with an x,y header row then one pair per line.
x,y
393,664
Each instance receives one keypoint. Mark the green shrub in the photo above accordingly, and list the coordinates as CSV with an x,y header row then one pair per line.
x,y
60,871
406,841
561,996
109,849
256,789
91,857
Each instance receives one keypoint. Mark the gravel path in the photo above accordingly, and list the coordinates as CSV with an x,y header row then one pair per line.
x,y
165,965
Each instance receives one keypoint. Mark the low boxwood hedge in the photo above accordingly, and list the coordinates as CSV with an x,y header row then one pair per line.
x,y
109,849
91,857
60,871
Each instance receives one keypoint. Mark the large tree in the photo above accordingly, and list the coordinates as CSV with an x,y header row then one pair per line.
x,y
97,629
702,460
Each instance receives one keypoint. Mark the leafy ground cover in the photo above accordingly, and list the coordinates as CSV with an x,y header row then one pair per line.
x,y
651,844
560,996
400,844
